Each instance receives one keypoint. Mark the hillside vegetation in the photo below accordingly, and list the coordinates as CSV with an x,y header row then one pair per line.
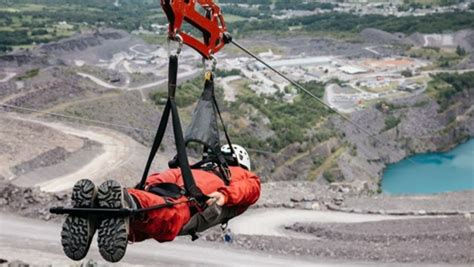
x,y
27,22
342,22
289,121
445,85
264,122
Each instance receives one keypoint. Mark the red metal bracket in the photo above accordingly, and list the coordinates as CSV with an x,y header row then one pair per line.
x,y
211,24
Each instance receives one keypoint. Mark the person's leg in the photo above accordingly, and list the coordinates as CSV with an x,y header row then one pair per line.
x,y
162,224
213,215
113,231
77,231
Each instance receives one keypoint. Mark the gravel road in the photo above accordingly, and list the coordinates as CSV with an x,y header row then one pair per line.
x,y
122,155
418,242
38,242
7,77
436,240
181,76
272,222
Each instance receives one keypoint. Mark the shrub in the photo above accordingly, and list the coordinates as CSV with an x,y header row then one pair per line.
x,y
317,161
407,73
186,94
391,122
329,176
445,85
39,32
28,74
225,73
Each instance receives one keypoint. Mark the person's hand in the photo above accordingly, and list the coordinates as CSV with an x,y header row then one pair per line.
x,y
216,197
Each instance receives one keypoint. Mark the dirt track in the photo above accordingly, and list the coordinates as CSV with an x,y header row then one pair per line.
x,y
271,222
115,152
99,82
23,141
418,241
7,77
44,247
119,157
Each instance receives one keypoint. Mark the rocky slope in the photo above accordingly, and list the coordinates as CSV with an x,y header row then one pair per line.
x,y
84,42
376,36
30,202
349,158
91,47
423,127
356,161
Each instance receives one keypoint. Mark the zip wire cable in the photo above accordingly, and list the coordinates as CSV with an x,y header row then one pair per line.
x,y
258,151
316,98
308,92
74,118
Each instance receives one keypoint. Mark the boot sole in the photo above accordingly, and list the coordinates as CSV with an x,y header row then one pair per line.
x,y
77,231
112,232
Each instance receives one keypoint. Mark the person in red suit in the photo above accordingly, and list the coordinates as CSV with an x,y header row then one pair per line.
x,y
225,202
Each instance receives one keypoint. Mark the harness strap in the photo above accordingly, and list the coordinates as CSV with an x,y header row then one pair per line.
x,y
167,190
189,184
227,137
156,144
222,164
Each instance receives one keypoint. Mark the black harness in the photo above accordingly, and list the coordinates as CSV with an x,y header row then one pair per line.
x,y
203,130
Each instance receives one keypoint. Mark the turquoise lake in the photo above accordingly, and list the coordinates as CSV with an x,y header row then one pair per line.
x,y
432,172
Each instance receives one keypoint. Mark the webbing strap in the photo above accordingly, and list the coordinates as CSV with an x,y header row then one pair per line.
x,y
156,144
160,133
227,137
209,94
188,179
189,184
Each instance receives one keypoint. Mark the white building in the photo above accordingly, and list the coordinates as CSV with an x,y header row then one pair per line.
x,y
352,69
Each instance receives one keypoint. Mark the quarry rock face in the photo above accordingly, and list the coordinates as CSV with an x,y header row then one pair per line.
x,y
377,36
82,42
20,59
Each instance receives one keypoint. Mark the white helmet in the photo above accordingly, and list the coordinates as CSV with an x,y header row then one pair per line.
x,y
242,156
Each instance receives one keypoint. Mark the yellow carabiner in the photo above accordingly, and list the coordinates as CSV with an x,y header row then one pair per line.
x,y
208,75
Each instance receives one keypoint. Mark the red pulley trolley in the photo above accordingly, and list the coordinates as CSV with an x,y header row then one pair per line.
x,y
211,25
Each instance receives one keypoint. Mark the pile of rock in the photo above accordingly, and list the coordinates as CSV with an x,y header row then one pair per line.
x,y
376,36
30,202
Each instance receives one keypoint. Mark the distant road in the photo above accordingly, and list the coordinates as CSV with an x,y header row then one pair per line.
x,y
8,76
371,49
229,91
116,150
271,222
133,49
102,83
98,81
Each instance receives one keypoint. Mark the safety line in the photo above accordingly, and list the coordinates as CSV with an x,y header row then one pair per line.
x,y
317,99
117,125
75,118
308,92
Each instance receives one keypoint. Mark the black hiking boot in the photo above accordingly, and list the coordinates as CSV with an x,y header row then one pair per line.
x,y
77,231
113,232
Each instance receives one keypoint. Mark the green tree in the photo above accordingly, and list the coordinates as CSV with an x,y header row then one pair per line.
x,y
460,51
407,73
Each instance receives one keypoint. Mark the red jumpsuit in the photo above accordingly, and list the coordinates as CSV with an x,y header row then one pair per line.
x,y
165,224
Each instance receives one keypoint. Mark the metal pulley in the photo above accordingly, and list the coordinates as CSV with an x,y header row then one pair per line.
x,y
211,24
